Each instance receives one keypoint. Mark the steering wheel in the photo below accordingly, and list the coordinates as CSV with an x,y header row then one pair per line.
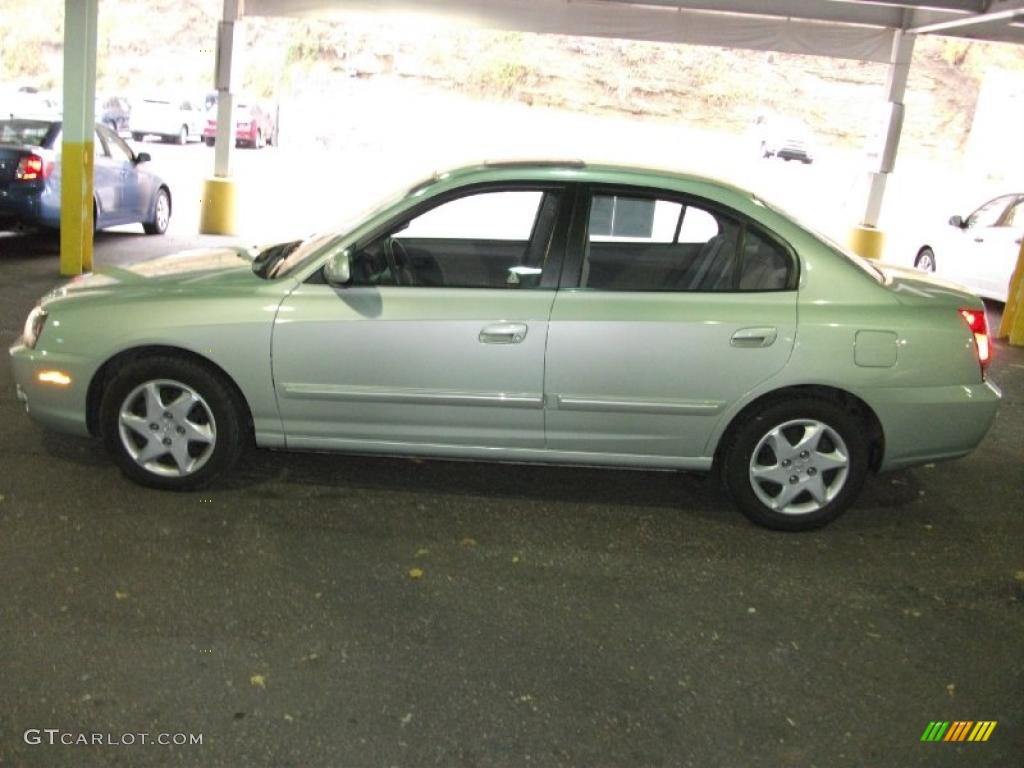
x,y
399,261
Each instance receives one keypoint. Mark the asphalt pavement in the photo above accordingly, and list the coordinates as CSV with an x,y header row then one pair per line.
x,y
319,610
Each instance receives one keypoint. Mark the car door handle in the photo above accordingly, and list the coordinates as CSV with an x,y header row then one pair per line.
x,y
503,333
755,337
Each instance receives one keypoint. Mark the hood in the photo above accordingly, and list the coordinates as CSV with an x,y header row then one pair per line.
x,y
911,286
186,269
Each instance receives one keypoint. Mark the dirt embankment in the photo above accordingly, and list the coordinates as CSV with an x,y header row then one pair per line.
x,y
153,44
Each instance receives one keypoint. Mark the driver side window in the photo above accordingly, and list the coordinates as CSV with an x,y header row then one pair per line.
x,y
490,239
988,214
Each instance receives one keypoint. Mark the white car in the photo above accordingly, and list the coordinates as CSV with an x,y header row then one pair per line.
x,y
979,251
172,119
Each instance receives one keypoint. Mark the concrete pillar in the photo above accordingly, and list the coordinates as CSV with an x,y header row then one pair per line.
x,y
76,161
866,239
218,214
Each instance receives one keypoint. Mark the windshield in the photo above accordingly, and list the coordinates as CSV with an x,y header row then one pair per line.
x,y
30,132
312,247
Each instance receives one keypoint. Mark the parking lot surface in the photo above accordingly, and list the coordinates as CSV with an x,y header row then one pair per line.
x,y
320,610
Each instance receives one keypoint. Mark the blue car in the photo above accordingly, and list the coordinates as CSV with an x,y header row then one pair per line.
x,y
125,191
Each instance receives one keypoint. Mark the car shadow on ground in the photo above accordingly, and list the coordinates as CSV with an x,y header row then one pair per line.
x,y
318,477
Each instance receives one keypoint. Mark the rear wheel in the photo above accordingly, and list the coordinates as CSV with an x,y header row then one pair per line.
x,y
161,214
925,260
258,143
183,134
210,141
138,136
797,464
171,423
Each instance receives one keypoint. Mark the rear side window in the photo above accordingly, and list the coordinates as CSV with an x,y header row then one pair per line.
x,y
650,244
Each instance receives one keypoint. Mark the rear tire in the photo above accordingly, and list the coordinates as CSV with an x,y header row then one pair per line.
x,y
150,436
795,465
183,135
139,137
210,141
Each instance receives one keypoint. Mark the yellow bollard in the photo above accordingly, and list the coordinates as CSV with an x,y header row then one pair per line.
x,y
218,214
866,241
1012,325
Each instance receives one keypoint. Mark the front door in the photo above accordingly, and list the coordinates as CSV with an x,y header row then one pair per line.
x,y
680,309
437,341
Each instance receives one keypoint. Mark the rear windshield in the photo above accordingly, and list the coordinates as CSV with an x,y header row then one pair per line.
x,y
30,132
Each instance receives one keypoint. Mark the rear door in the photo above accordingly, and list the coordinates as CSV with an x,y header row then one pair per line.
x,y
671,309
108,184
439,338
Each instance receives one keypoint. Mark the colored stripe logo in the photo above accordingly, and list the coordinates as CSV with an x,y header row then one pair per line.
x,y
959,730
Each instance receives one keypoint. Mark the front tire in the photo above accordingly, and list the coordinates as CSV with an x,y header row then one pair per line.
x,y
161,214
171,423
925,260
797,464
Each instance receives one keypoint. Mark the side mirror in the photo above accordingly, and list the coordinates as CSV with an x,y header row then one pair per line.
x,y
956,221
142,157
338,269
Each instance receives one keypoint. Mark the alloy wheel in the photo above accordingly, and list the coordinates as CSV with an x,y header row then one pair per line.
x,y
167,428
799,467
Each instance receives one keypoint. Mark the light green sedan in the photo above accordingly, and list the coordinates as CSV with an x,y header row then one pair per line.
x,y
528,312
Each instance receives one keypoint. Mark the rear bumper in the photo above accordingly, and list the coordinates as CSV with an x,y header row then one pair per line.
x,y
923,424
28,206
56,407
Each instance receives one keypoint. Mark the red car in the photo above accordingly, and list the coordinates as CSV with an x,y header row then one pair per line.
x,y
254,126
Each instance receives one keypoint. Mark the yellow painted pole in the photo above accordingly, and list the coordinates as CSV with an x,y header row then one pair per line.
x,y
76,162
1012,325
217,215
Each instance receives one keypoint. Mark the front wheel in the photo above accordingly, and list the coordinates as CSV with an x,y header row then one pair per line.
x,y
161,214
170,423
797,464
925,260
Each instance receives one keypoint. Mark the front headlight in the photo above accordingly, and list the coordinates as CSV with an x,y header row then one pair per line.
x,y
33,326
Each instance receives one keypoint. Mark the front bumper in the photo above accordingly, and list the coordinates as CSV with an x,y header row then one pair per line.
x,y
60,408
924,424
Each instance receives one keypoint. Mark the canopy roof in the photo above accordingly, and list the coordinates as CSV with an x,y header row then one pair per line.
x,y
852,29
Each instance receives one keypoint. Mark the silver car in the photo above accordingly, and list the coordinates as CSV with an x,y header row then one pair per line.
x,y
528,312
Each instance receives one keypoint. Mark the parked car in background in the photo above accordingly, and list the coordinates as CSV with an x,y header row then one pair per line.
x,y
784,138
114,112
125,191
528,312
979,251
27,101
254,126
172,119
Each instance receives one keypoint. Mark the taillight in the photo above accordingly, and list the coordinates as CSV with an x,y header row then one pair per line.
x,y
32,168
978,324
